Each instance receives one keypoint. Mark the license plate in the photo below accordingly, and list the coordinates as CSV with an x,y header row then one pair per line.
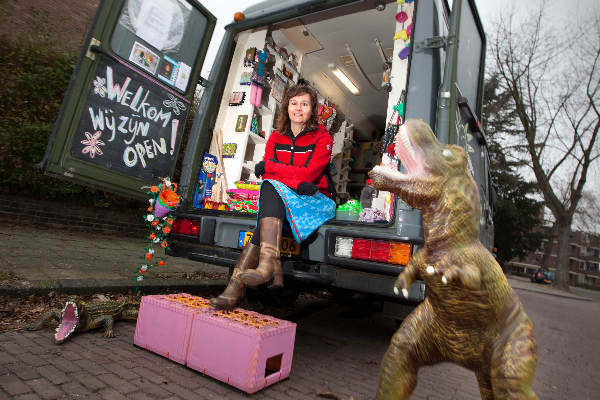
x,y
288,245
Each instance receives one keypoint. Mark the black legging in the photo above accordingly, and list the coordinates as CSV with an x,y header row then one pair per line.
x,y
270,205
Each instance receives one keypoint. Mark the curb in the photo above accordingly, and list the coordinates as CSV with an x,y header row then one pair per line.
x,y
92,286
550,292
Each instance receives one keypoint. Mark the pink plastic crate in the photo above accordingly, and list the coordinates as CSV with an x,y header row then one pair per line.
x,y
242,348
164,324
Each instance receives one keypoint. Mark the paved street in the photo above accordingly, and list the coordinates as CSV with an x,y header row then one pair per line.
x,y
338,350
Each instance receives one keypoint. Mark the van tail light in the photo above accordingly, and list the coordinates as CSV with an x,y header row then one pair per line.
x,y
373,250
182,226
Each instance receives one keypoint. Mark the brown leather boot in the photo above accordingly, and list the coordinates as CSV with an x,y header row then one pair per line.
x,y
235,288
269,265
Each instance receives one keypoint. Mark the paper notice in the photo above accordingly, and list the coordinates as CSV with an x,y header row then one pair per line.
x,y
183,76
153,23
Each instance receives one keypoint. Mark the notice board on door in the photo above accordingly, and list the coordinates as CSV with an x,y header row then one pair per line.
x,y
130,123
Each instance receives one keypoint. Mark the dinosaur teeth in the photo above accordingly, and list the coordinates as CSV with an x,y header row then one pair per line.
x,y
430,270
406,141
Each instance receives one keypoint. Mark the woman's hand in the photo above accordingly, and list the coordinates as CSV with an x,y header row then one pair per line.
x,y
307,188
259,169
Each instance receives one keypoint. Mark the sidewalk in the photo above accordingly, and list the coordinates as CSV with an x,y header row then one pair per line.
x,y
523,283
74,262
46,259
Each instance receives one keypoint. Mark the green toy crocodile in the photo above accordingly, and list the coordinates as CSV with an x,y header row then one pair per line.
x,y
471,316
78,316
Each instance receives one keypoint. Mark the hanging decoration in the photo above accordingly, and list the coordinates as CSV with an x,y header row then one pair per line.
x,y
237,98
249,58
254,125
258,77
229,150
404,34
245,78
327,114
396,119
159,220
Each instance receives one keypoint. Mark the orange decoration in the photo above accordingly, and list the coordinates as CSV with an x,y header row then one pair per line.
x,y
148,256
155,222
168,197
163,244
166,229
169,221
161,263
154,189
152,236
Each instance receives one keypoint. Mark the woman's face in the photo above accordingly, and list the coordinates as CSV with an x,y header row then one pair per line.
x,y
300,109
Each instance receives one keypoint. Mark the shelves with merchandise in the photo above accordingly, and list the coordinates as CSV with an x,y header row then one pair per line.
x,y
256,138
264,110
249,165
289,65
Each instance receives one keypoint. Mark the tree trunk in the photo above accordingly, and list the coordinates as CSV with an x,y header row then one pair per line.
x,y
564,252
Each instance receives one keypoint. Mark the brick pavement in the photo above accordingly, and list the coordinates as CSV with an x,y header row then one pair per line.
x,y
335,350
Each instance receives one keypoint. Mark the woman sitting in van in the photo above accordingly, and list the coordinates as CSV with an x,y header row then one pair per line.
x,y
294,189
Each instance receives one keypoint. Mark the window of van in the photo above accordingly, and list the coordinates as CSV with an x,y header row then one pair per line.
x,y
160,37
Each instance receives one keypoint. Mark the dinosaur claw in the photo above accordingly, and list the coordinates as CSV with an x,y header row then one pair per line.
x,y
444,280
405,293
396,291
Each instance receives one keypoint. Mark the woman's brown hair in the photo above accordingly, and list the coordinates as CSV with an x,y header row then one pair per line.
x,y
283,122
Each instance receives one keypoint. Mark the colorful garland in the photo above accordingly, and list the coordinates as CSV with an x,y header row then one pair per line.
x,y
159,221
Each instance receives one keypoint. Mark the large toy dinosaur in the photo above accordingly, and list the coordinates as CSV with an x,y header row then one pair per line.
x,y
471,316
78,316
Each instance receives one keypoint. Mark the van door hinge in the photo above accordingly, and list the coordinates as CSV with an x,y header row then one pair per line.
x,y
91,54
203,82
434,42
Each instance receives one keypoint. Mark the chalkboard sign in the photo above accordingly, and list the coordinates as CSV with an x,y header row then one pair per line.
x,y
130,124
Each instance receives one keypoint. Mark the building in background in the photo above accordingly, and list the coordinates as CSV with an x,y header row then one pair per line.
x,y
584,260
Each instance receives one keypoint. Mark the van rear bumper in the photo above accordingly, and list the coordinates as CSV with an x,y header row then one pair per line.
x,y
312,274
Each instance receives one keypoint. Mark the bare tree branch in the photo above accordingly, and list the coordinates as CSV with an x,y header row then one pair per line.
x,y
556,107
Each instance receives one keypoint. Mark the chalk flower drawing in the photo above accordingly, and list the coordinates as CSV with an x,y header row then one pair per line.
x,y
92,144
100,86
174,103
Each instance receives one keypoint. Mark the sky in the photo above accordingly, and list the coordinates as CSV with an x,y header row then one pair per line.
x,y
488,11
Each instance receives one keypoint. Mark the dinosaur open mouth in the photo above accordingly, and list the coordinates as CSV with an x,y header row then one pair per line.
x,y
405,150
68,322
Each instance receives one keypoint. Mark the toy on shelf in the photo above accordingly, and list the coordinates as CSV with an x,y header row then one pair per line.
x,y
215,205
250,185
243,200
349,211
206,179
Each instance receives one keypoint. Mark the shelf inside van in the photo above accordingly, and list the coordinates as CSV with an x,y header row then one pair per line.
x,y
256,139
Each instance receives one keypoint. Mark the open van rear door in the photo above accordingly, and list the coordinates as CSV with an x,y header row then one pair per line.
x,y
121,121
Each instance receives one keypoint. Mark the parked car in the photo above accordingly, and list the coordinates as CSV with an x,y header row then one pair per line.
x,y
542,275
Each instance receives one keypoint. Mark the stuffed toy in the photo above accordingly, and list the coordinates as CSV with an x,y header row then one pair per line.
x,y
470,316
206,179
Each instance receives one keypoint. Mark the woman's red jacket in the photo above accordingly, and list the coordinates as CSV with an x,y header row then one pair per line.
x,y
292,160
